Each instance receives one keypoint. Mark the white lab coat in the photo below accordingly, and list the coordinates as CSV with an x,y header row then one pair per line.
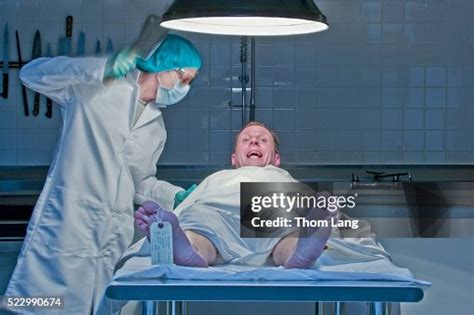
x,y
83,219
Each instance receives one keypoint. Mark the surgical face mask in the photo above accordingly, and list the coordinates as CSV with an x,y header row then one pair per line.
x,y
166,97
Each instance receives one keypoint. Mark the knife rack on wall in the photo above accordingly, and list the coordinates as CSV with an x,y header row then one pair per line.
x,y
14,64
6,64
64,49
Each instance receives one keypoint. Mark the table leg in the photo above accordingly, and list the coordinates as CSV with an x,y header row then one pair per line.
x,y
176,308
339,308
149,308
378,308
325,308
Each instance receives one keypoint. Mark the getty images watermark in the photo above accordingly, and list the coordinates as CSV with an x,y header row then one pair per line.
x,y
365,209
274,209
302,202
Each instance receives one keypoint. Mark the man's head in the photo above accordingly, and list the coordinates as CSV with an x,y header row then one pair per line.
x,y
255,145
169,71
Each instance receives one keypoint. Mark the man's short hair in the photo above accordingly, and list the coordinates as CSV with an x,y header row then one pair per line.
x,y
276,141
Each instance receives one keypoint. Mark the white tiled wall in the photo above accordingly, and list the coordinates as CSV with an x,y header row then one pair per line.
x,y
389,82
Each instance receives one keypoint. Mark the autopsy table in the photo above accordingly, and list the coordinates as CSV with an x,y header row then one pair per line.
x,y
377,293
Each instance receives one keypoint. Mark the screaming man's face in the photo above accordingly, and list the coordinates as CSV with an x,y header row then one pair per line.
x,y
255,147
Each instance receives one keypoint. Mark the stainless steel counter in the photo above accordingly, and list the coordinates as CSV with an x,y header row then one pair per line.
x,y
21,186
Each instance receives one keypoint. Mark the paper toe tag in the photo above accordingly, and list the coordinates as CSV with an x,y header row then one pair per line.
x,y
161,243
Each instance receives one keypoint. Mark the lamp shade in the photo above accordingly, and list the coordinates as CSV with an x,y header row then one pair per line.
x,y
245,17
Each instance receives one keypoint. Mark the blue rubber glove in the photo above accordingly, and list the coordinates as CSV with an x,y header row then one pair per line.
x,y
181,195
120,64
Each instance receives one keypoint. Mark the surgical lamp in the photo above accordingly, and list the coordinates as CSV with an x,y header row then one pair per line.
x,y
245,17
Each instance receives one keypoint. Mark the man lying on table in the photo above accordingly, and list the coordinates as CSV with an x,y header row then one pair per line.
x,y
206,225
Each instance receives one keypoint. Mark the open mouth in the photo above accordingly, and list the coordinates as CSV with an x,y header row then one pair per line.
x,y
254,154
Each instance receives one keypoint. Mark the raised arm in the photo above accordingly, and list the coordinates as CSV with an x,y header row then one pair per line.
x,y
57,77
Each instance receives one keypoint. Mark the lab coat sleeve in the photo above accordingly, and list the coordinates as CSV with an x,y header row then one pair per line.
x,y
57,77
148,187
158,191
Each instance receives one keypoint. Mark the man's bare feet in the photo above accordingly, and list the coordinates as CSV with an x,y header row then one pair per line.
x,y
311,241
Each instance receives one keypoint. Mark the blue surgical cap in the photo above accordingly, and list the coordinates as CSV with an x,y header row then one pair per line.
x,y
175,52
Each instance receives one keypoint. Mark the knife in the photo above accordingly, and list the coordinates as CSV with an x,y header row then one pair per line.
x,y
110,47
49,102
98,50
81,44
67,41
36,54
23,88
6,59
150,38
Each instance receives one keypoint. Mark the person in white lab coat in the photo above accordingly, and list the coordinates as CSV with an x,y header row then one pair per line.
x,y
112,137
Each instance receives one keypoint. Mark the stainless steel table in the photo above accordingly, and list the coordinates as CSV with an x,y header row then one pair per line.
x,y
378,293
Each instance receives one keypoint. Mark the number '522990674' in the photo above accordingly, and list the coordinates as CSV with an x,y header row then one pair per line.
x,y
51,302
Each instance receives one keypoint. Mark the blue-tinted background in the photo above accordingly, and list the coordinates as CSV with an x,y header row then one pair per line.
x,y
389,82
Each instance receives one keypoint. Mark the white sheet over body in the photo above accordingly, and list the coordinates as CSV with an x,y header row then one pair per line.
x,y
346,259
213,210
